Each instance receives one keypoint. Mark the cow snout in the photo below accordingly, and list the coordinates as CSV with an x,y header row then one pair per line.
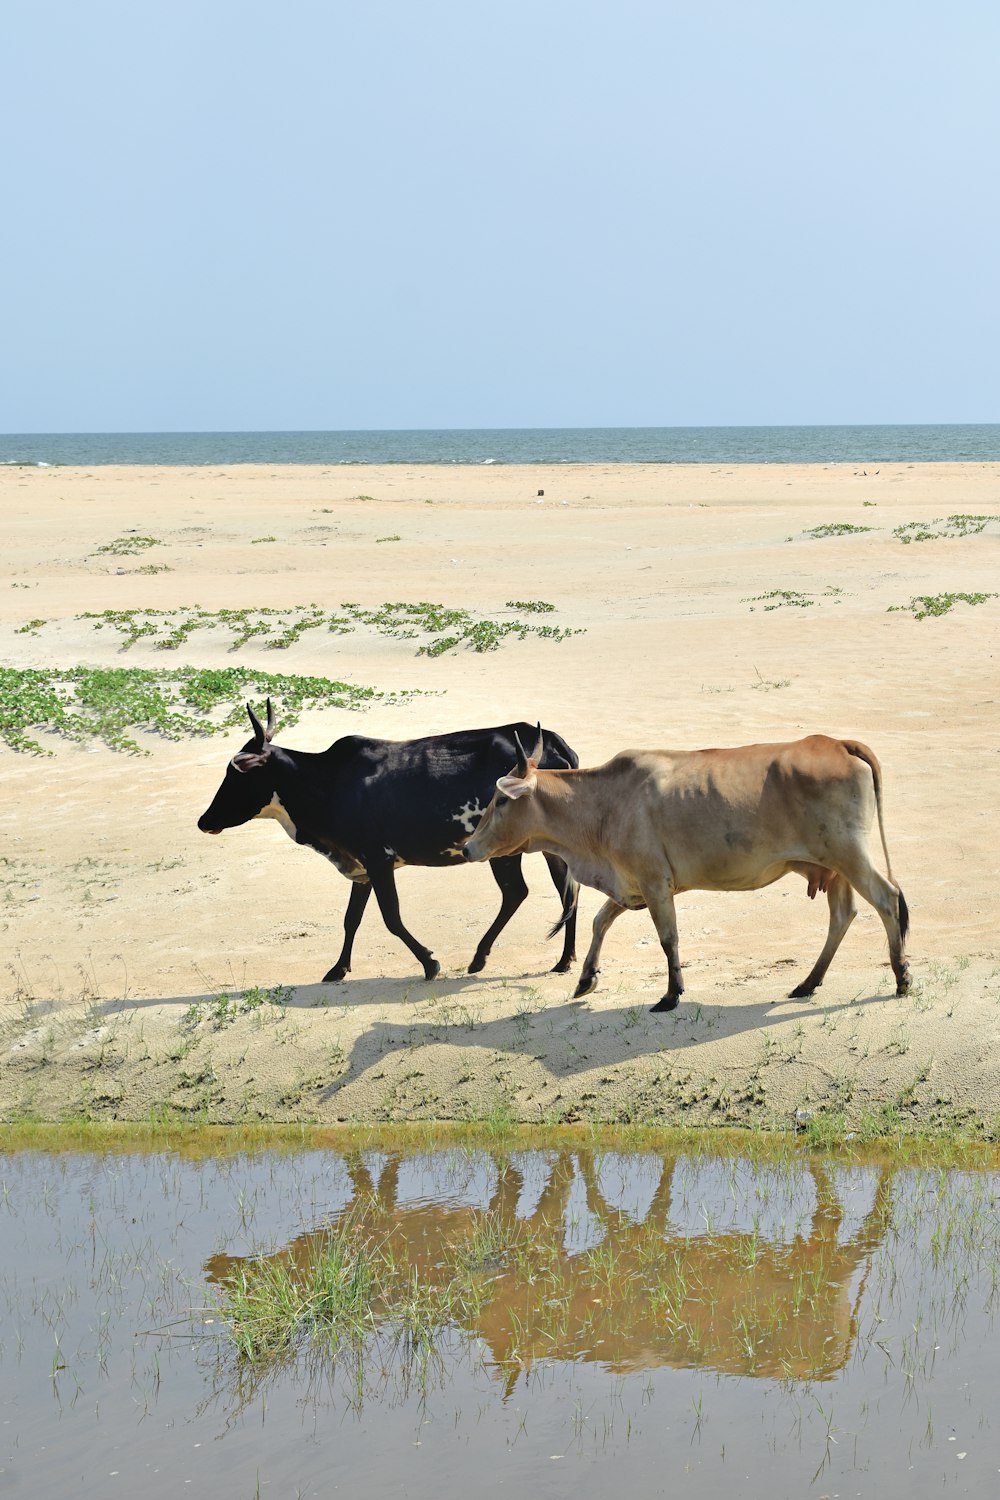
x,y
207,827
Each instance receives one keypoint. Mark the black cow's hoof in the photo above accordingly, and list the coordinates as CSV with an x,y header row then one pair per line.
x,y
669,1002
478,964
335,975
802,991
432,969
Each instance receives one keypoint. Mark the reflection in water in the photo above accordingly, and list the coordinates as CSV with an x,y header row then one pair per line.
x,y
497,1321
635,1261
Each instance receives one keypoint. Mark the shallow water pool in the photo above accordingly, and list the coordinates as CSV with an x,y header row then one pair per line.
x,y
431,1323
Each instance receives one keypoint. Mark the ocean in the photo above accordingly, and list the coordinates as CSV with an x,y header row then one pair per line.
x,y
528,445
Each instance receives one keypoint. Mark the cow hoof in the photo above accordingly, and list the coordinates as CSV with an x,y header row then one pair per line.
x,y
562,968
432,970
587,985
335,975
802,991
478,964
669,1002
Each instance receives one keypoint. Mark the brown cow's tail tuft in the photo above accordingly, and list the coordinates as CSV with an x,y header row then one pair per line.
x,y
904,916
570,898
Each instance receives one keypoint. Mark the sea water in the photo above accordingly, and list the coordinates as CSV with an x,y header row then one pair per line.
x,y
530,445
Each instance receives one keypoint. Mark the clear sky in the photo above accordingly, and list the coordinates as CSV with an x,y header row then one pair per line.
x,y
441,213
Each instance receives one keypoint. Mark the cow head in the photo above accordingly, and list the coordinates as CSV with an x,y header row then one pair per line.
x,y
248,784
506,825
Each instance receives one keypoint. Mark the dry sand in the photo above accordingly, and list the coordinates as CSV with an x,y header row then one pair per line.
x,y
118,917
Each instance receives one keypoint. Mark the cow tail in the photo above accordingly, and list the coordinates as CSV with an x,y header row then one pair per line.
x,y
570,897
862,752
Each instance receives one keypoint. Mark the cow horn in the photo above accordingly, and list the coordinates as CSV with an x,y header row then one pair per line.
x,y
264,736
539,750
522,759
259,731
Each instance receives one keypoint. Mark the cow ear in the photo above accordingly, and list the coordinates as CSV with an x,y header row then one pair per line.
x,y
516,786
248,760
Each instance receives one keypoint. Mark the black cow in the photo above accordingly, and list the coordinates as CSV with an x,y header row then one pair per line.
x,y
369,806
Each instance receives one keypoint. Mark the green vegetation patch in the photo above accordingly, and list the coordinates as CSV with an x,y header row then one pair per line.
x,y
923,606
943,526
790,598
778,598
128,546
111,703
836,528
436,627
229,1006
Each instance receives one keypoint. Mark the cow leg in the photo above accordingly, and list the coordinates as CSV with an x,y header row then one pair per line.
x,y
890,904
568,893
384,886
664,914
609,912
513,889
840,895
872,885
360,891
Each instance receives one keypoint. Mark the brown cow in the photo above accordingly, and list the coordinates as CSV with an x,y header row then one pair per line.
x,y
652,823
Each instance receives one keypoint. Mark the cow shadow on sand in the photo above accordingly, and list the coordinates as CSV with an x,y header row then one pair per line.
x,y
572,1037
540,1022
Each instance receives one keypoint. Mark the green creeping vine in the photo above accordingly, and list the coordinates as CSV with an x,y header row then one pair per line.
x,y
924,606
111,703
928,531
277,629
836,528
127,546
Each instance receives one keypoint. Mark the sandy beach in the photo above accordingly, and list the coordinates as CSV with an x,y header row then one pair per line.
x,y
707,615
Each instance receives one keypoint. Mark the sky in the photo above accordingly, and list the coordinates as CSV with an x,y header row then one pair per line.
x,y
548,213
